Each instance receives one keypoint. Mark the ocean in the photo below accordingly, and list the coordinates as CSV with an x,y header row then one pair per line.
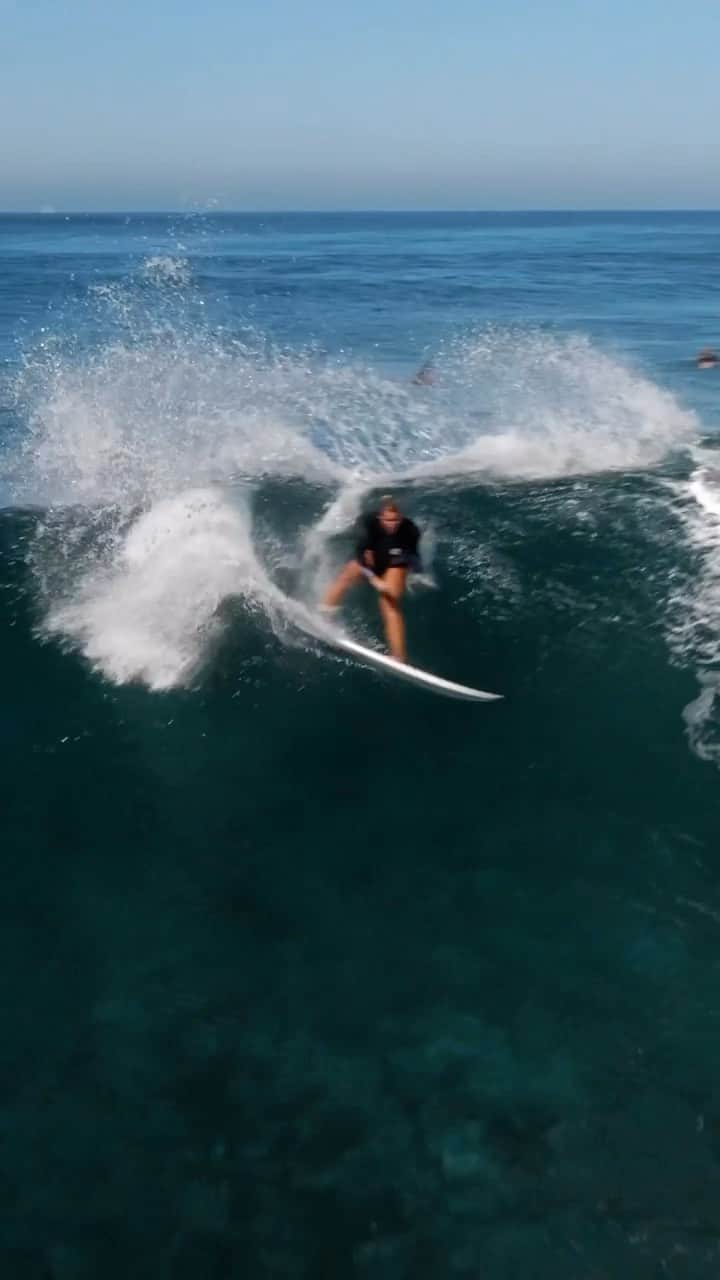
x,y
308,973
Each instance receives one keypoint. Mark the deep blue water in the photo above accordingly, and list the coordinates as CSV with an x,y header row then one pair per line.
x,y
307,973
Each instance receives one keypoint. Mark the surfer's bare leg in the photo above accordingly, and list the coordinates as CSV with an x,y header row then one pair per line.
x,y
393,621
347,578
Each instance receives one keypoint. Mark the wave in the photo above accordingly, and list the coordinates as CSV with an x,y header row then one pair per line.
x,y
149,448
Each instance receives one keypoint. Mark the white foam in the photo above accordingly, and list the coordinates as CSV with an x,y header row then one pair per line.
x,y
131,423
702,720
694,627
696,599
559,407
148,615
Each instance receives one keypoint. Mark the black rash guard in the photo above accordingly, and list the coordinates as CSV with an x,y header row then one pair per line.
x,y
398,549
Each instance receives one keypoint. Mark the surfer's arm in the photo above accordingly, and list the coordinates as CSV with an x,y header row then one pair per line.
x,y
363,550
378,583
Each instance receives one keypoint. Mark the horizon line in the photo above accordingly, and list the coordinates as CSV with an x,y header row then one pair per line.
x,y
49,212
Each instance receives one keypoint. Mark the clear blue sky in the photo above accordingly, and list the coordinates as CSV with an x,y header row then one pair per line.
x,y
170,104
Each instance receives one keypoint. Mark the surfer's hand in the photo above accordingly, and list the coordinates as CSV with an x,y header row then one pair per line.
x,y
378,584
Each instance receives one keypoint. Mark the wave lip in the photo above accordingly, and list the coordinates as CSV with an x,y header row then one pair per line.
x,y
555,407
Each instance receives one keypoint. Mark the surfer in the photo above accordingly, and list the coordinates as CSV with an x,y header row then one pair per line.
x,y
386,552
706,359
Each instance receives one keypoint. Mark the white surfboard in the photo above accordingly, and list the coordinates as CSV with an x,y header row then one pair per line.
x,y
322,628
372,658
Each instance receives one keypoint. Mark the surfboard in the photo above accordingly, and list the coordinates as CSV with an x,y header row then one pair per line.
x,y
372,658
322,628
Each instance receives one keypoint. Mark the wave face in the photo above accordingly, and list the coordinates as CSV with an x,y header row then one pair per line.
x,y
309,972
157,439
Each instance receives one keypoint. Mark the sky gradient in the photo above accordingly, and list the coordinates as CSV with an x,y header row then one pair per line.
x,y
465,104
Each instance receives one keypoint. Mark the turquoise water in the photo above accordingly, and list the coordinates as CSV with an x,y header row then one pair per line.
x,y
308,973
